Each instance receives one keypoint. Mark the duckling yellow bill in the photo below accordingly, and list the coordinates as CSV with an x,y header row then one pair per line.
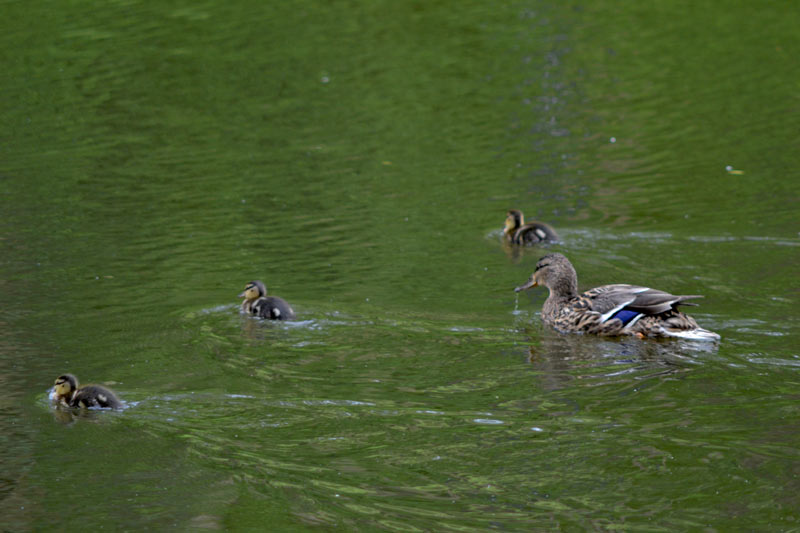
x,y
610,310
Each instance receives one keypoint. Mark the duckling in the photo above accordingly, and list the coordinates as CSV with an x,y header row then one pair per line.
x,y
610,309
67,393
518,232
256,302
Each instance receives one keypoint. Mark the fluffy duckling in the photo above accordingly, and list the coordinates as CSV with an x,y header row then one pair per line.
x,y
256,302
518,232
67,392
610,309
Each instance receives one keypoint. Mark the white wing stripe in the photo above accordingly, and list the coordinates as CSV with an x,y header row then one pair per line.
x,y
632,322
608,315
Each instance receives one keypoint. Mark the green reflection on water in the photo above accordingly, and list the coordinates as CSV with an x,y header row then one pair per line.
x,y
360,158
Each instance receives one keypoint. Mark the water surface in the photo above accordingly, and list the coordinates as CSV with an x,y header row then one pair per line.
x,y
359,158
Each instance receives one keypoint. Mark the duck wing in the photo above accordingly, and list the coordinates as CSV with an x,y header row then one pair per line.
x,y
95,396
611,300
533,232
273,307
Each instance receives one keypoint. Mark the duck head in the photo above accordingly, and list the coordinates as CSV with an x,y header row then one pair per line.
x,y
514,219
65,385
554,271
253,291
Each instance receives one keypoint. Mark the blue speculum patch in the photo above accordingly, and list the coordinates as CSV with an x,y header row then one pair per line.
x,y
626,315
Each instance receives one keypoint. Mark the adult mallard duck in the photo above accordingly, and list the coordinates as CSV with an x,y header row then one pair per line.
x,y
257,303
610,309
67,392
518,232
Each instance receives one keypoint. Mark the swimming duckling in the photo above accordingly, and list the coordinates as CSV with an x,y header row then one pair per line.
x,y
518,232
256,302
610,309
67,393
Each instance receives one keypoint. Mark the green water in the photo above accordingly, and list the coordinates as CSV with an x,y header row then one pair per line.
x,y
359,157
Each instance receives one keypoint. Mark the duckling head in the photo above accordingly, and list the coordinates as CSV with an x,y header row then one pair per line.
x,y
65,385
514,220
253,291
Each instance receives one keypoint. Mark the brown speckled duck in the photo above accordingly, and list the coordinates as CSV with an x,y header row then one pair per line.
x,y
518,232
610,309
257,303
67,392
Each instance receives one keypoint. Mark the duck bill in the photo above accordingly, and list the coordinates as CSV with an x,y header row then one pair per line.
x,y
527,285
241,296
